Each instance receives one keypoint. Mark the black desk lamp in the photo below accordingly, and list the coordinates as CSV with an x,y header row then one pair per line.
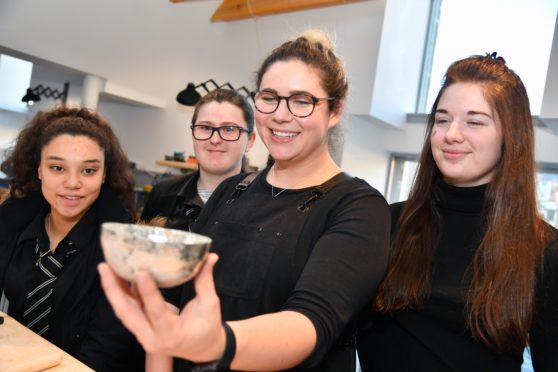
x,y
190,95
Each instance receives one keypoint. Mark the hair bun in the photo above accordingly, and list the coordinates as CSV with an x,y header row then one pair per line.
x,y
315,36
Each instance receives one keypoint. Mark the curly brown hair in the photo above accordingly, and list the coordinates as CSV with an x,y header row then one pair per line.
x,y
24,157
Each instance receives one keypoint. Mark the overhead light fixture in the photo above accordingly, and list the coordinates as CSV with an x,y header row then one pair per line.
x,y
190,96
34,95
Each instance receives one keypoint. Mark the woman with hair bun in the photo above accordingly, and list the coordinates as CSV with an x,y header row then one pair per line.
x,y
302,246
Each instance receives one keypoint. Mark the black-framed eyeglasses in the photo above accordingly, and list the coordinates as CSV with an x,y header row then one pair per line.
x,y
231,133
300,105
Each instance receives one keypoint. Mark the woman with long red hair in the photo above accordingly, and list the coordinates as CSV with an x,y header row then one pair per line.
x,y
473,272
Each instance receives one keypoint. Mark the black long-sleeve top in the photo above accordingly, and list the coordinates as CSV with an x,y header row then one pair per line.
x,y
435,336
324,261
82,323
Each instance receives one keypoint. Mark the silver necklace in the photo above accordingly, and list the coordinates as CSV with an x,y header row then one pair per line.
x,y
273,194
273,190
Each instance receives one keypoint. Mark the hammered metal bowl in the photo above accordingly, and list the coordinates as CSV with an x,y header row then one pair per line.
x,y
172,257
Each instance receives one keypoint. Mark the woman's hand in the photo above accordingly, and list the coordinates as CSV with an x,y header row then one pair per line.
x,y
263,342
195,334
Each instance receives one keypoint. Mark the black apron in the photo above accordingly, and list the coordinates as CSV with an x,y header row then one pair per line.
x,y
256,235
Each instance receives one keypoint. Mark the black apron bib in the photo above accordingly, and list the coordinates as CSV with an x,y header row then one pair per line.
x,y
255,236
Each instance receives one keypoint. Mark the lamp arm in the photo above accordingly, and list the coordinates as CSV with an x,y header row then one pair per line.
x,y
244,89
64,94
228,85
204,86
48,92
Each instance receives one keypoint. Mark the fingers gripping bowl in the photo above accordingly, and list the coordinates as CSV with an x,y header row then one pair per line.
x,y
172,257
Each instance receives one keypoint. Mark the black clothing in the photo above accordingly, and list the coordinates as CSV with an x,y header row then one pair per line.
x,y
435,336
324,261
177,199
82,323
40,279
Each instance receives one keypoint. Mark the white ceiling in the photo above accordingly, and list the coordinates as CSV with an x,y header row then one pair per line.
x,y
155,46
141,44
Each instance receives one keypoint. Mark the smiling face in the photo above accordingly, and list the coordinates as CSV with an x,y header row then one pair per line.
x,y
466,139
71,170
287,137
216,156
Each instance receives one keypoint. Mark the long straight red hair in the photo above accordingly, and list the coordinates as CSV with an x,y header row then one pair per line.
x,y
500,297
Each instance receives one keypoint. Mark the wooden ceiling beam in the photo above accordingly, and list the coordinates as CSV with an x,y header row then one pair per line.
x,y
183,1
231,10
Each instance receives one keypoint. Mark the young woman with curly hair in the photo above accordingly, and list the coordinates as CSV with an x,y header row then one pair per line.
x,y
70,176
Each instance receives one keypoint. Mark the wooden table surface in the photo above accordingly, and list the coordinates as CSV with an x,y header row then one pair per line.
x,y
23,350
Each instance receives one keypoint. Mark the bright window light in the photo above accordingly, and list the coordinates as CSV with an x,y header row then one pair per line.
x,y
15,77
520,31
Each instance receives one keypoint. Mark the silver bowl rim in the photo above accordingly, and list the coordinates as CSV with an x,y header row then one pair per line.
x,y
174,234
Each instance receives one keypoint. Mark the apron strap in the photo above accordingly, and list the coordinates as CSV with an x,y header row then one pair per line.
x,y
321,190
242,186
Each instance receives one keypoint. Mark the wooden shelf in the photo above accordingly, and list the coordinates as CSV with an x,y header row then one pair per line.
x,y
177,164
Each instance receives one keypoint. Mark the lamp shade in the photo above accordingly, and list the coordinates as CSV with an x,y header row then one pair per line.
x,y
30,97
188,96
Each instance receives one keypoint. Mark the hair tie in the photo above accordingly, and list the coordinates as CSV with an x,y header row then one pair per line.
x,y
494,57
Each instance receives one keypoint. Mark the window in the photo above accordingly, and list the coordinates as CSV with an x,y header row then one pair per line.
x,y
521,31
401,176
15,76
547,192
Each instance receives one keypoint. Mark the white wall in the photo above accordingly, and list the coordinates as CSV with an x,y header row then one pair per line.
x,y
147,134
368,148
